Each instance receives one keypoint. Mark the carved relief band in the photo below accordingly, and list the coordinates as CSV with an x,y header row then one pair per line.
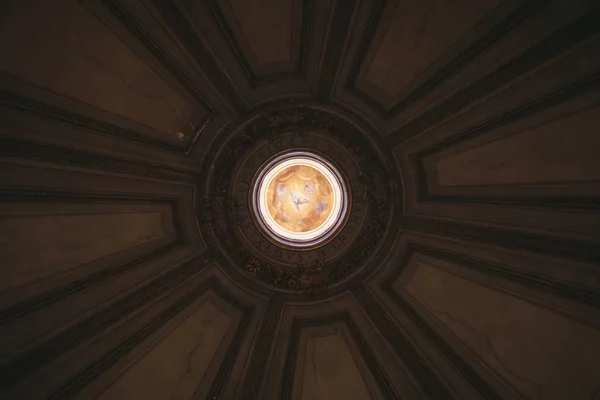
x,y
226,209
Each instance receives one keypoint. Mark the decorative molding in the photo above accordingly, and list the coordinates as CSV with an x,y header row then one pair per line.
x,y
118,126
477,48
485,390
202,56
219,217
218,212
28,195
380,376
402,346
556,43
299,70
52,112
12,147
363,49
531,280
256,372
56,294
365,351
576,88
552,202
42,354
233,350
338,31
133,26
565,93
46,195
355,122
102,363
548,245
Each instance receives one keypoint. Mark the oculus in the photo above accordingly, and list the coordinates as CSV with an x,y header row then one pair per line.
x,y
299,199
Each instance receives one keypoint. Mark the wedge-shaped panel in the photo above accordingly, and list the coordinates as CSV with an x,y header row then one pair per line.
x,y
330,349
67,60
178,363
52,305
262,50
522,159
556,152
266,34
546,44
536,351
329,358
45,239
412,36
179,335
565,289
415,65
327,368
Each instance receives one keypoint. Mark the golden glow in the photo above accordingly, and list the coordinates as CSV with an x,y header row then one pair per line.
x,y
300,198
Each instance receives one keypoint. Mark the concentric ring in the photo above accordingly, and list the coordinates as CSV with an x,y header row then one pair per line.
x,y
274,229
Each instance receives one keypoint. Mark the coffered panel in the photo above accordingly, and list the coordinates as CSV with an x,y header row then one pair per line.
x,y
89,220
547,170
39,312
543,157
179,362
328,366
522,159
48,182
44,239
184,320
75,240
335,325
485,115
206,344
409,38
268,36
87,64
541,294
267,48
510,335
447,66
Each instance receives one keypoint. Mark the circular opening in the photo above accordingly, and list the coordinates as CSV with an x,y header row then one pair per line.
x,y
300,199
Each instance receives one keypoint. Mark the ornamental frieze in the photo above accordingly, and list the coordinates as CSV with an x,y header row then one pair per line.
x,y
233,226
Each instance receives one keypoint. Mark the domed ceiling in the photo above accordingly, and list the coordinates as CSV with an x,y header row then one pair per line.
x,y
299,199
277,199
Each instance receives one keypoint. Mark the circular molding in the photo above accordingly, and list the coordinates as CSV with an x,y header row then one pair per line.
x,y
229,222
299,199
244,218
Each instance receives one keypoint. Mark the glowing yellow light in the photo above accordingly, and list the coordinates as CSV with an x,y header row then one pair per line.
x,y
300,199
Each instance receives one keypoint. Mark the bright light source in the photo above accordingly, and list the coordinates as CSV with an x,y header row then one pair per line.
x,y
300,198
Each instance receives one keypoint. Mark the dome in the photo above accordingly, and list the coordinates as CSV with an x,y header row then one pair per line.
x,y
300,199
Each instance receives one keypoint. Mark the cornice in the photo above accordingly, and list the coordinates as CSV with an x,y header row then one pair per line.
x,y
269,125
558,42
